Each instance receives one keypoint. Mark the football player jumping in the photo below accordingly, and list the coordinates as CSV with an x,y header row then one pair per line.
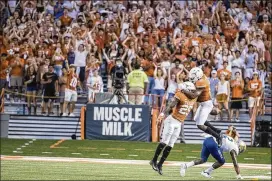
x,y
180,106
203,95
211,147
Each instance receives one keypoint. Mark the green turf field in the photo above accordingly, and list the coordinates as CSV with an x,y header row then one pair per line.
x,y
34,170
119,150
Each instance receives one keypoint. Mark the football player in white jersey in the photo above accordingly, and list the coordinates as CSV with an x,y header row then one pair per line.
x,y
210,147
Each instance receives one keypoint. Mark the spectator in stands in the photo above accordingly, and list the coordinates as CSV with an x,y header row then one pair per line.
x,y
31,88
4,70
237,87
250,61
70,90
213,84
223,95
94,84
159,84
62,87
224,71
254,88
16,75
50,83
137,83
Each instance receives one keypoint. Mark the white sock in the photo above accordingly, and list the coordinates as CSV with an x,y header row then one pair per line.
x,y
209,170
190,164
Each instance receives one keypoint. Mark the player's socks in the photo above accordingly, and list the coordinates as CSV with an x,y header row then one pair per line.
x,y
165,154
209,170
207,123
158,151
212,132
190,164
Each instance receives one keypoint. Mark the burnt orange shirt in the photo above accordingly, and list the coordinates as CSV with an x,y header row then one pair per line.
x,y
150,71
254,84
184,106
226,72
237,90
203,84
17,70
3,69
65,20
72,81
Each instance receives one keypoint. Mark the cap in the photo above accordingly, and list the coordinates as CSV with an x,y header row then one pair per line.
x,y
255,73
214,71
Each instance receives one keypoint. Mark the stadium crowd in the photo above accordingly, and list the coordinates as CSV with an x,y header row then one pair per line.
x,y
44,41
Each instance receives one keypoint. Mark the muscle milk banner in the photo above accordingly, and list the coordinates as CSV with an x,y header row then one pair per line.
x,y
118,122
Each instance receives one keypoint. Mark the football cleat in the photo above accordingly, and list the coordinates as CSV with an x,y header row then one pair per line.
x,y
206,174
154,165
182,169
159,169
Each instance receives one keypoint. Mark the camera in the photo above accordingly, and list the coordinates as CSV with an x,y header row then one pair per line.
x,y
119,76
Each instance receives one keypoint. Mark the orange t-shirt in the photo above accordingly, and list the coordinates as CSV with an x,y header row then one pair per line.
x,y
3,68
65,20
254,84
72,81
17,70
150,71
226,72
237,90
184,106
204,84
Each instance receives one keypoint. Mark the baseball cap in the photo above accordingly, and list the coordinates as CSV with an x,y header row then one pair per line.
x,y
255,73
214,71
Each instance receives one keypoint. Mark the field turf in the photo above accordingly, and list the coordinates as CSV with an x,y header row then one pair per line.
x,y
16,169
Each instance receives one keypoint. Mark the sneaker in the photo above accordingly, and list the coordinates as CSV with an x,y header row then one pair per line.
x,y
206,174
182,169
154,165
64,114
71,115
44,113
237,120
159,169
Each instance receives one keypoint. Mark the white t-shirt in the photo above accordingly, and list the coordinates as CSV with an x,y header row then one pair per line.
x,y
80,58
222,88
97,82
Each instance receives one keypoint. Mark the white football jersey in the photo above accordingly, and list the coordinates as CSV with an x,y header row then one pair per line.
x,y
228,144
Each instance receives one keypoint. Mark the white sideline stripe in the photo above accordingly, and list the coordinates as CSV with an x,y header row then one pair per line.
x,y
248,158
76,153
257,177
23,146
46,152
190,157
104,154
132,155
18,148
17,151
120,161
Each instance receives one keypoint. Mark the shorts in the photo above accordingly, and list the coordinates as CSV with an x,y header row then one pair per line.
x,y
31,89
16,81
203,112
221,98
210,147
236,104
170,131
70,95
3,83
47,94
81,73
251,101
62,95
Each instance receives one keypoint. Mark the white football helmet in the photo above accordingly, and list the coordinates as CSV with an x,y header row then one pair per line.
x,y
188,86
195,74
242,146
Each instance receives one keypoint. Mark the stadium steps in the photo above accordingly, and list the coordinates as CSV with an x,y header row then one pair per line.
x,y
43,127
193,134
